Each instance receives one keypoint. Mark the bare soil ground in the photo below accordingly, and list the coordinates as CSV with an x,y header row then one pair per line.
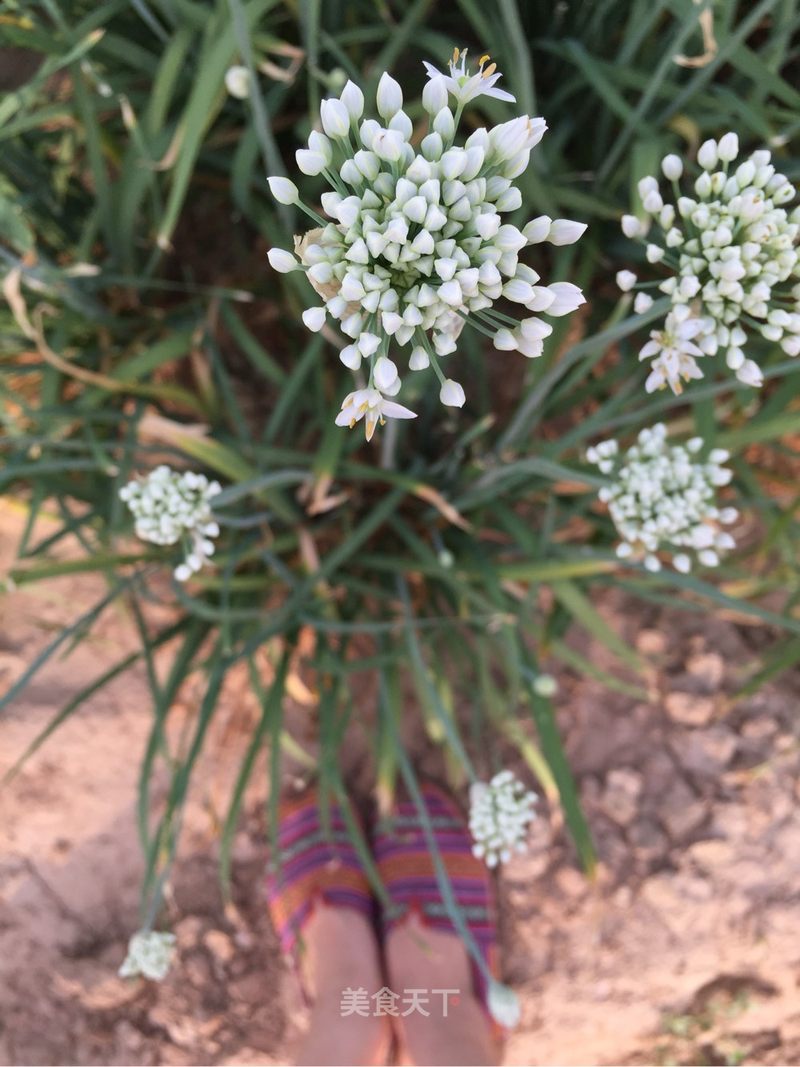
x,y
684,949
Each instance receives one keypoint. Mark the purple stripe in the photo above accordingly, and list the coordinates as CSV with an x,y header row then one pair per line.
x,y
306,862
303,822
452,843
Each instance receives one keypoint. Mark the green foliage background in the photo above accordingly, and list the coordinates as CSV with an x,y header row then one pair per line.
x,y
134,221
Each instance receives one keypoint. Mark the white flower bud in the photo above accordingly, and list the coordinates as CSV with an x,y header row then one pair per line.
x,y
626,280
653,203
518,290
728,148
708,155
284,191
389,97
320,144
631,226
452,394
282,261
672,167
237,82
310,162
384,373
434,95
388,145
565,231
351,357
335,118
444,123
537,230
545,685
314,318
568,297
353,100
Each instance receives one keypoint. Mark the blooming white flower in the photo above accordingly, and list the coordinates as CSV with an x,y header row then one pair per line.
x,y
373,407
169,507
150,954
237,82
414,244
465,87
662,499
731,247
500,814
676,354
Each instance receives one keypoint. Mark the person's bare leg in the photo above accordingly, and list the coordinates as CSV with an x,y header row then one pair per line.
x,y
341,953
420,958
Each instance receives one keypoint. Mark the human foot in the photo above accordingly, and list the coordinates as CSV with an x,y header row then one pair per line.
x,y
446,1023
323,912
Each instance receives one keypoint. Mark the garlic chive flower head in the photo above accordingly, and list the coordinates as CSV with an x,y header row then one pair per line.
x,y
168,507
662,500
730,243
412,244
500,814
150,955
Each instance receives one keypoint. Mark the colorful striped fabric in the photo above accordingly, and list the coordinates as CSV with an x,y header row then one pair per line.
x,y
408,873
316,862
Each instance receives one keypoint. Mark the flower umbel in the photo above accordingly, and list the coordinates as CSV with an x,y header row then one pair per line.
x,y
500,813
732,251
413,245
150,954
663,499
169,507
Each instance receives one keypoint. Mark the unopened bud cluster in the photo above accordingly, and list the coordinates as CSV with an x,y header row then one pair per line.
x,y
150,955
170,506
414,244
731,247
662,500
500,815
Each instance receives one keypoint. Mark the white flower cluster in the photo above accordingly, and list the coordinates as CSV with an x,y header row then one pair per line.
x,y
732,251
663,499
500,812
414,244
150,954
168,507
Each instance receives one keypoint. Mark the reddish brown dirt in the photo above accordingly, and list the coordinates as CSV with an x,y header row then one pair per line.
x,y
683,950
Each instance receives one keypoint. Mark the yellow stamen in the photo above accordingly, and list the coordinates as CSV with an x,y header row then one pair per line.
x,y
483,59
489,70
456,54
